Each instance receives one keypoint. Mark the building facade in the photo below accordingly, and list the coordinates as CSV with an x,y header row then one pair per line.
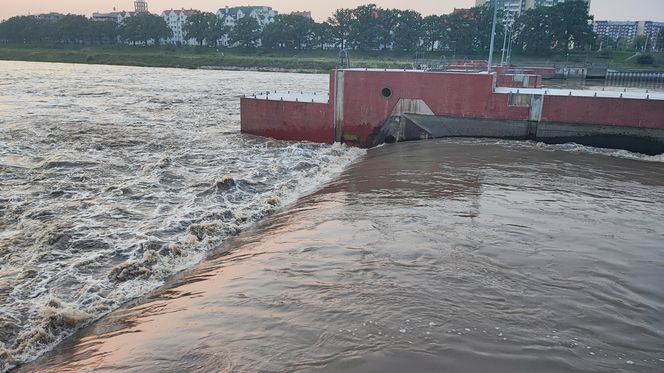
x,y
305,14
520,6
651,29
263,14
141,6
117,17
513,6
50,17
617,30
176,20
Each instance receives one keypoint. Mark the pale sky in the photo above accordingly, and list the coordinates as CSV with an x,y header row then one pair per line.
x,y
619,10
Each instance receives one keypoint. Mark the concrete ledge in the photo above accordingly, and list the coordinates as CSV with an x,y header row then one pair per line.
x,y
640,140
410,127
582,93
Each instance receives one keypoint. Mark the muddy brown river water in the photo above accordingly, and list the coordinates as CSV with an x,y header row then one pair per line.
x,y
448,255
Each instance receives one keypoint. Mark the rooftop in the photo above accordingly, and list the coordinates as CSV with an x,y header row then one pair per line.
x,y
641,95
291,96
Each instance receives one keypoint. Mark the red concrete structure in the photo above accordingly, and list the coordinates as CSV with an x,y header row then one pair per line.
x,y
287,120
519,80
368,107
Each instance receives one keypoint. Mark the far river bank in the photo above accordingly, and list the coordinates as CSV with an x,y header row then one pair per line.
x,y
275,61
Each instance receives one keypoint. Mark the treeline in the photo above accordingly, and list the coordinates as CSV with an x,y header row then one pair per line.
x,y
543,30
77,29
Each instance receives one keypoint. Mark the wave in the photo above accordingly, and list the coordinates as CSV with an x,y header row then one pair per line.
x,y
209,214
618,153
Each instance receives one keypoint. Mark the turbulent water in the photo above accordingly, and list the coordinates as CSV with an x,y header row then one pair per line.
x,y
436,256
113,178
447,255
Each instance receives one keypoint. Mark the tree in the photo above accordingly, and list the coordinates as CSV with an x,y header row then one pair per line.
x,y
341,23
73,29
622,44
196,27
303,32
533,33
143,28
387,22
205,27
274,35
659,45
216,30
469,31
364,27
555,29
572,25
157,28
323,34
22,29
408,31
246,33
431,31
640,42
444,33
290,31
103,31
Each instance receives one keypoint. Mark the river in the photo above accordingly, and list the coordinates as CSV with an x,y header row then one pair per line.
x,y
446,255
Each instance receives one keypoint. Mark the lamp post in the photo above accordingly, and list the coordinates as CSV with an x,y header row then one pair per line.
x,y
493,34
502,56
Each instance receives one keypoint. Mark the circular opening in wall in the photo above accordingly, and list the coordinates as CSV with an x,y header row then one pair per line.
x,y
386,92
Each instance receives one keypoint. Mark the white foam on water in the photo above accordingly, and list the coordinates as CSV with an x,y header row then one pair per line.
x,y
104,196
618,153
566,147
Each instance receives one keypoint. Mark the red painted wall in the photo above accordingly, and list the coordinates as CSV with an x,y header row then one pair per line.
x,y
450,94
605,111
447,94
287,120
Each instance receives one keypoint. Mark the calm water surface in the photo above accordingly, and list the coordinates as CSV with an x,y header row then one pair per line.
x,y
462,256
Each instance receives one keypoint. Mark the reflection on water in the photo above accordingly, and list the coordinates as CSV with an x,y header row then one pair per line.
x,y
464,255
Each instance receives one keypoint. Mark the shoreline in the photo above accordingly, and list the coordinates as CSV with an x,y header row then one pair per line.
x,y
212,68
267,61
203,59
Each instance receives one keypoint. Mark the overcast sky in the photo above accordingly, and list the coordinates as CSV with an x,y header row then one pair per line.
x,y
635,10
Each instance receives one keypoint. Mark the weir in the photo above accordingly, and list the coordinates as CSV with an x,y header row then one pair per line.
x,y
369,107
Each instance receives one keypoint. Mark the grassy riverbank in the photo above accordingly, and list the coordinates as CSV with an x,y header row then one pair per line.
x,y
315,61
304,61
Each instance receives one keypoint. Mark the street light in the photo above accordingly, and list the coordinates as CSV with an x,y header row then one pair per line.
x,y
493,34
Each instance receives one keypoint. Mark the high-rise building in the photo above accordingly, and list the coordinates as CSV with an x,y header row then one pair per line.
x,y
141,6
629,30
519,6
614,30
513,6
651,29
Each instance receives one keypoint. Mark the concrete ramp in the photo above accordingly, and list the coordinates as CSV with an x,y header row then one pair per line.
x,y
410,127
438,126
